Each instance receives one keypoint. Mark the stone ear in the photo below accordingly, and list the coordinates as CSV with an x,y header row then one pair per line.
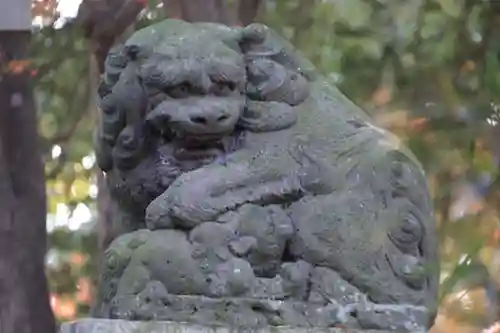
x,y
267,116
258,41
251,36
268,80
272,77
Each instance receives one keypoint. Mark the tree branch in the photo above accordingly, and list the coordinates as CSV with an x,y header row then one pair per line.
x,y
64,136
248,11
303,14
173,8
103,21
199,10
78,96
462,40
60,163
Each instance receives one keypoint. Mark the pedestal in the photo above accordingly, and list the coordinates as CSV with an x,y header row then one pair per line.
x,y
122,326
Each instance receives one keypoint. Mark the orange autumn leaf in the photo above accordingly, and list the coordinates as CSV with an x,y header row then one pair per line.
x,y
392,120
496,235
77,259
63,308
475,207
84,293
417,123
66,310
18,66
46,8
468,66
381,96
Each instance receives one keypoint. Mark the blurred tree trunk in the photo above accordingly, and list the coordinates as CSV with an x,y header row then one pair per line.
x,y
103,21
24,298
243,12
303,17
198,10
248,10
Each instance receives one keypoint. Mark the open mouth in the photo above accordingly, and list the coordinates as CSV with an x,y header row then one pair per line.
x,y
188,140
200,142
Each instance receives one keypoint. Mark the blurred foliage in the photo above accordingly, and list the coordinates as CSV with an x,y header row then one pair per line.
x,y
428,70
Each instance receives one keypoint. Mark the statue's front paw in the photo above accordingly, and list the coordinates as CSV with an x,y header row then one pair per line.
x,y
185,204
158,215
171,210
204,194
196,197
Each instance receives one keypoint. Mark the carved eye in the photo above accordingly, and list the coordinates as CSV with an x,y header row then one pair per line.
x,y
223,88
408,234
128,139
132,51
155,97
154,77
183,90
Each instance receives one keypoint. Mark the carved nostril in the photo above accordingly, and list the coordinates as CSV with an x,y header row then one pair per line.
x,y
223,117
199,120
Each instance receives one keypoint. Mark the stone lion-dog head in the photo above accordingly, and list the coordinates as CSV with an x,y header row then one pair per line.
x,y
179,96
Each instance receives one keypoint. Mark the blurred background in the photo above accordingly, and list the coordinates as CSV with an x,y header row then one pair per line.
x,y
428,70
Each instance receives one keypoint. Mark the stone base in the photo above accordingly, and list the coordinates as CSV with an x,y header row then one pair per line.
x,y
91,325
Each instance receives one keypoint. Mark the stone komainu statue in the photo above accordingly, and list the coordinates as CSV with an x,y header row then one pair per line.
x,y
253,192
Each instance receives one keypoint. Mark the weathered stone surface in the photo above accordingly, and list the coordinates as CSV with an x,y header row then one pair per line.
x,y
123,326
258,194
